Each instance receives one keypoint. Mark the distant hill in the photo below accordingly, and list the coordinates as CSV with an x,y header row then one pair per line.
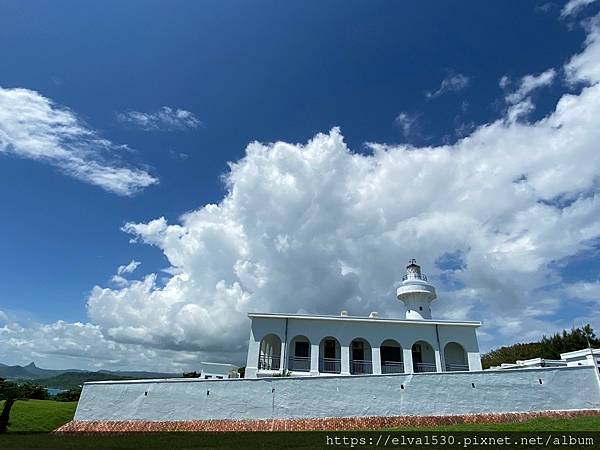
x,y
29,371
71,378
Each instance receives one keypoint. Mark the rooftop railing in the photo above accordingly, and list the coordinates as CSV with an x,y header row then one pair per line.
x,y
392,367
425,367
330,365
360,367
457,368
299,363
268,362
414,276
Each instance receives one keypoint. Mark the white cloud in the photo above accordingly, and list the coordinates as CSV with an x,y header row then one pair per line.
x,y
406,122
82,345
528,84
584,290
164,119
451,83
33,127
128,268
574,6
318,228
585,67
504,81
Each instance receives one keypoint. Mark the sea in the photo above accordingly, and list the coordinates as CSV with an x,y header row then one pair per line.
x,y
55,391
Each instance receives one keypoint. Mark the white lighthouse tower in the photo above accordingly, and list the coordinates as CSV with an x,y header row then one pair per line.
x,y
416,293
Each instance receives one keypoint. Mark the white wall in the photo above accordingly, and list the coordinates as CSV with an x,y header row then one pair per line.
x,y
375,395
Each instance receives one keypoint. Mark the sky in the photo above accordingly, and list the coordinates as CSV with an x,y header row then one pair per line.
x,y
166,168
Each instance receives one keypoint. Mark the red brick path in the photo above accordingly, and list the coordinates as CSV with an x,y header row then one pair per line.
x,y
334,423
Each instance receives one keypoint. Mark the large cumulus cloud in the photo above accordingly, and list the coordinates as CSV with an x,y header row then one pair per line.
x,y
318,228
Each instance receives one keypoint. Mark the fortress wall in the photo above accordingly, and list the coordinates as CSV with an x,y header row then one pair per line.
x,y
428,394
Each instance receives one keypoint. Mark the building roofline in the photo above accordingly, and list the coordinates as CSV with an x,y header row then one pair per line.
x,y
582,352
364,319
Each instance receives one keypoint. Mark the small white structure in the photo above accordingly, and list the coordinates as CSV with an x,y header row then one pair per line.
x,y
316,345
584,357
532,363
218,371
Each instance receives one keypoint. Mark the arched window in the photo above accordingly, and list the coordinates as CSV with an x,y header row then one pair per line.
x,y
299,354
423,357
391,357
269,357
360,357
455,357
330,355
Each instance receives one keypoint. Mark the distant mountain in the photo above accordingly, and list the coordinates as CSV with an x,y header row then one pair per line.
x,y
69,378
141,374
28,371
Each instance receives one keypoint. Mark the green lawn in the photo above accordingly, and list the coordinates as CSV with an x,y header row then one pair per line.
x,y
583,423
39,415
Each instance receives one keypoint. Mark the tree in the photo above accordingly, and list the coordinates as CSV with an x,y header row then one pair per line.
x,y
193,374
548,347
11,392
510,354
576,339
72,395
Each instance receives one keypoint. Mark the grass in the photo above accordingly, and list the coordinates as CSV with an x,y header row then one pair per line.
x,y
39,415
582,423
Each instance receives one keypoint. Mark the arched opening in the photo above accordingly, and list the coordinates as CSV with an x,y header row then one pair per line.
x,y
299,354
269,357
391,357
360,357
455,357
423,357
330,352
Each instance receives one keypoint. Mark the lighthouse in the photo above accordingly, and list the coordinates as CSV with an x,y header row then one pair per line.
x,y
416,293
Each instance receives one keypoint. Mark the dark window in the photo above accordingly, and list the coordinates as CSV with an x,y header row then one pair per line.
x,y
358,350
390,354
420,308
302,349
329,350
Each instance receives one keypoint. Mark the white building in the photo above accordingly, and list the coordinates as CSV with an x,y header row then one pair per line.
x,y
211,370
531,364
584,357
316,345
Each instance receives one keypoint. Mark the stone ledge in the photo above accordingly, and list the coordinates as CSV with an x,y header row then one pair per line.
x,y
315,424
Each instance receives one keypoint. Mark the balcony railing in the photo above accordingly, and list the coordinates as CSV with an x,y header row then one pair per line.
x,y
425,367
299,363
392,367
359,367
267,362
457,368
413,276
330,365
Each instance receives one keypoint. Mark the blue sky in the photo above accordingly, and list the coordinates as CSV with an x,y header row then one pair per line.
x,y
423,74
